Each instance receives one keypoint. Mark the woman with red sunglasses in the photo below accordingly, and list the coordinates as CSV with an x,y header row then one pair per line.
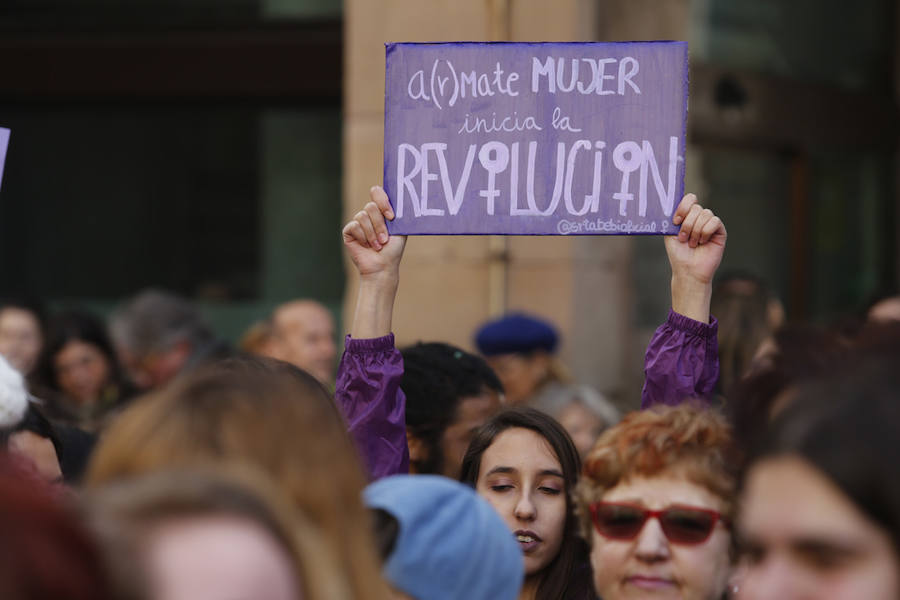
x,y
656,501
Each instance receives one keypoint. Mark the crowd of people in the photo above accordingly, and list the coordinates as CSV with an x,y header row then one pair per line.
x,y
147,459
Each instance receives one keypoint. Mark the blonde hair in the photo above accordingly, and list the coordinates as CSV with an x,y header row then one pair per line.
x,y
266,413
123,512
258,338
689,439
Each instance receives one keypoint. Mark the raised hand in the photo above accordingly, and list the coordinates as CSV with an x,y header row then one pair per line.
x,y
694,255
371,248
376,255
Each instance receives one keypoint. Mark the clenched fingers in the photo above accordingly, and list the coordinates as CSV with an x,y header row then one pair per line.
x,y
701,221
362,217
380,198
712,227
353,232
378,222
684,207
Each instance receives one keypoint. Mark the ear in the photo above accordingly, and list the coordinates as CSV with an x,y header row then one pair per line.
x,y
734,582
540,364
418,451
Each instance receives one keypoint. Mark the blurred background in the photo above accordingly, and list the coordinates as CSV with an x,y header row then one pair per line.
x,y
214,148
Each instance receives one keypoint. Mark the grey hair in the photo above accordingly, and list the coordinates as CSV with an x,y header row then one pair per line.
x,y
559,397
156,320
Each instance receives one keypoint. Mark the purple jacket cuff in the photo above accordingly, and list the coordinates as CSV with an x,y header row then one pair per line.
x,y
690,326
384,343
682,361
369,395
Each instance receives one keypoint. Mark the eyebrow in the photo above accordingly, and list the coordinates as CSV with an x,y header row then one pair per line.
x,y
502,469
633,500
819,546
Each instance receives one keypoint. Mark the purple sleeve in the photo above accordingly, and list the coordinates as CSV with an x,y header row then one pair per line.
x,y
368,393
682,361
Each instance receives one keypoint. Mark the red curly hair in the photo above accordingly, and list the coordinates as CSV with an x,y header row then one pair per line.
x,y
690,440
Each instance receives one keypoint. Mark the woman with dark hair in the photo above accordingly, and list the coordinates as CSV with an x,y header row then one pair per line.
x,y
524,463
23,323
820,511
77,373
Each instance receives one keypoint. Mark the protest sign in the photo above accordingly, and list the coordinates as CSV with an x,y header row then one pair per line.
x,y
4,142
535,138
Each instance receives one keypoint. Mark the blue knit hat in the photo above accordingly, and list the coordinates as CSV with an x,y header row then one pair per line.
x,y
516,333
451,543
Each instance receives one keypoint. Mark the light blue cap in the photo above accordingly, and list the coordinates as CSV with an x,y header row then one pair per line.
x,y
451,544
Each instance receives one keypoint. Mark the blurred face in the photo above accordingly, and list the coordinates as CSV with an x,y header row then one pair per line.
x,y
304,336
520,374
522,479
20,338
651,566
217,558
805,539
82,371
156,368
583,425
472,413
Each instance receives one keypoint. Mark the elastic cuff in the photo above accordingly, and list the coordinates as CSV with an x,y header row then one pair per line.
x,y
689,325
384,343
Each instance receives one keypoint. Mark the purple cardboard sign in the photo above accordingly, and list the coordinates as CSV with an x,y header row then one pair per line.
x,y
535,139
4,142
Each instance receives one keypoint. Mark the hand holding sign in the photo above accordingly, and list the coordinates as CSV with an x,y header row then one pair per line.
x,y
694,255
376,255
366,236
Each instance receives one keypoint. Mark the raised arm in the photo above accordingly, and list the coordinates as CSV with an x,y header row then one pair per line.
x,y
694,255
376,255
682,358
368,381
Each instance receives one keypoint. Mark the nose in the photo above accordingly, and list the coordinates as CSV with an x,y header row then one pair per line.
x,y
652,545
525,509
78,374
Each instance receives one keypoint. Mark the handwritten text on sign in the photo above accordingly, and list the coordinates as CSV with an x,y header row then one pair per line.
x,y
555,138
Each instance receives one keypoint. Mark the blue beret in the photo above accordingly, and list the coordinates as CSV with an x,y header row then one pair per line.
x,y
516,333
452,544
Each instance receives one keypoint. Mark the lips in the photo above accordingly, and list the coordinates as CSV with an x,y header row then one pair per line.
x,y
650,582
528,540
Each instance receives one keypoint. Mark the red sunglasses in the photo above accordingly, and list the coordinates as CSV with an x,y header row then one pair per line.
x,y
681,524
